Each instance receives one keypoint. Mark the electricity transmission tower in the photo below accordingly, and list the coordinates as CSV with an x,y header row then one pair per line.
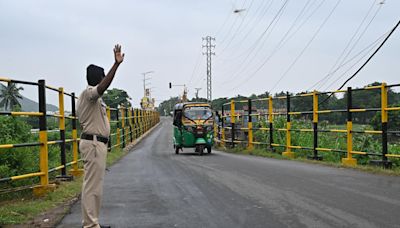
x,y
209,47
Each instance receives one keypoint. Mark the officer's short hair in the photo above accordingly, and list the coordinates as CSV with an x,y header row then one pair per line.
x,y
94,74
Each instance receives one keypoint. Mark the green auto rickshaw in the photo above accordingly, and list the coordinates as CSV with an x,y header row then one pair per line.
x,y
193,127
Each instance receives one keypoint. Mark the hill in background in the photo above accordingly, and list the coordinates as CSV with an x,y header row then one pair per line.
x,y
29,105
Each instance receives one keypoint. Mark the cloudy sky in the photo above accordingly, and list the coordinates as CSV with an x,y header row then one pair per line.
x,y
270,45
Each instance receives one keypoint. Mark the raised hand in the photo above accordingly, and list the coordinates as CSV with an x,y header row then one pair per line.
x,y
119,57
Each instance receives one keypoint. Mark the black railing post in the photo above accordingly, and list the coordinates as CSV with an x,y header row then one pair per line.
x,y
270,120
43,155
249,126
75,171
222,131
288,152
62,136
233,123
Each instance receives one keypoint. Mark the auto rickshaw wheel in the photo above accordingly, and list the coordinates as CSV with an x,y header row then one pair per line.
x,y
177,149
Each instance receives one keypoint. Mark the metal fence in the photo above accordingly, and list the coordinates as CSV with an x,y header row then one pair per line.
x,y
229,130
129,123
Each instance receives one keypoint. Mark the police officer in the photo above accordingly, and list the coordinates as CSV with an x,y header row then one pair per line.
x,y
92,115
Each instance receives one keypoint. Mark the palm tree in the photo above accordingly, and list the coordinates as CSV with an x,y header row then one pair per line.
x,y
9,96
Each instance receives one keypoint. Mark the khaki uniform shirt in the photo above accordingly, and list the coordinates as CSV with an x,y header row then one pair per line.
x,y
92,114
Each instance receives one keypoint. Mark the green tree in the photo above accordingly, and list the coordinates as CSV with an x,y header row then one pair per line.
x,y
167,106
9,96
115,97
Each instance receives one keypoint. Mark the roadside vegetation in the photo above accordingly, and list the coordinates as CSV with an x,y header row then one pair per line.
x,y
21,207
361,142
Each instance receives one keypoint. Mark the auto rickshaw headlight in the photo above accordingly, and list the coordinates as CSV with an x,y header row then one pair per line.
x,y
209,128
190,129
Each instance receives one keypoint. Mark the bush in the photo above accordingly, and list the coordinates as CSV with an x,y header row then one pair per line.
x,y
16,161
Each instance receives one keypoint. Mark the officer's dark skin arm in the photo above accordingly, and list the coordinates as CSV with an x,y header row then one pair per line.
x,y
105,83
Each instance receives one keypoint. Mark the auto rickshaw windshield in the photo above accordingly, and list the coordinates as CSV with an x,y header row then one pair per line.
x,y
197,113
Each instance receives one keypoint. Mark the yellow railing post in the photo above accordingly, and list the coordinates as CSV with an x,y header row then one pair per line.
x,y
135,123
349,160
61,125
288,153
130,123
141,122
384,120
145,120
122,109
148,120
118,129
270,121
315,126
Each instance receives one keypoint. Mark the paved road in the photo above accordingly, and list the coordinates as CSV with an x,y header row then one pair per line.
x,y
153,187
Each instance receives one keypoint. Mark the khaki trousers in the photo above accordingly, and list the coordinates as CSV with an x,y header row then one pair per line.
x,y
94,156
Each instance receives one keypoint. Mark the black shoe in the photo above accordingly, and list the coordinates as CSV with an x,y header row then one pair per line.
x,y
103,226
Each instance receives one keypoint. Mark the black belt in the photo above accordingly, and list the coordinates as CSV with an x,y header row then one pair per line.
x,y
91,137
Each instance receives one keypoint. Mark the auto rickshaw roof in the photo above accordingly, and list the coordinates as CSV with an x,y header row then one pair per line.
x,y
181,106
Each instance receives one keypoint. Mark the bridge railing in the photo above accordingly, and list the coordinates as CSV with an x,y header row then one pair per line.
x,y
127,124
236,121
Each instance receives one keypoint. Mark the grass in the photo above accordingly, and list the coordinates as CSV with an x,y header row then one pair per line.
x,y
277,155
21,210
25,207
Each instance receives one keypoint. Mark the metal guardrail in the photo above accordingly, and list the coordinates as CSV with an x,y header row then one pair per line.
x,y
230,114
132,124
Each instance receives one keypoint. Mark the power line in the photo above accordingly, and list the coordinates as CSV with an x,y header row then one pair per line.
x,y
254,46
367,49
366,62
330,73
223,24
238,28
196,66
350,68
283,40
373,54
264,11
307,45
259,19
232,26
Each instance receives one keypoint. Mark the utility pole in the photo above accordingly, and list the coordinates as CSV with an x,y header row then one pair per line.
x,y
208,54
144,81
146,102
197,93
